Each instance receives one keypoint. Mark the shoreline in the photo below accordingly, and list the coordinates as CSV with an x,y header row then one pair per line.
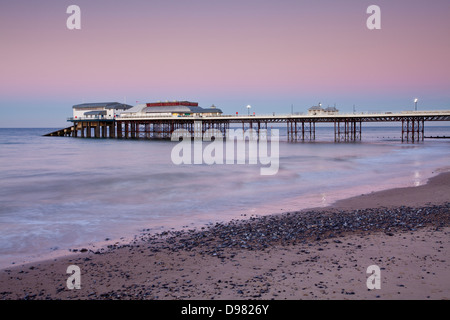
x,y
152,266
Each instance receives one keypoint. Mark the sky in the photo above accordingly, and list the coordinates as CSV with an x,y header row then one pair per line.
x,y
273,55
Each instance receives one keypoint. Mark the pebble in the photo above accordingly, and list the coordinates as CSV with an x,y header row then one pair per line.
x,y
264,231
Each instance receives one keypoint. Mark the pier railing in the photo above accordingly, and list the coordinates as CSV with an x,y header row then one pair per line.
x,y
95,118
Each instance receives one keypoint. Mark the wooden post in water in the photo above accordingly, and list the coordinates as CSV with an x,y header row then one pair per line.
x,y
88,130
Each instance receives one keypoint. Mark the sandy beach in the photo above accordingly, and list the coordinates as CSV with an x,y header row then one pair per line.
x,y
320,253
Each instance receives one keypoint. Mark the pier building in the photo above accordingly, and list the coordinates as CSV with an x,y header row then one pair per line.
x,y
99,110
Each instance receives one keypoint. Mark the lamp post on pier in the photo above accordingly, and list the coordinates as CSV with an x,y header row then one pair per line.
x,y
415,104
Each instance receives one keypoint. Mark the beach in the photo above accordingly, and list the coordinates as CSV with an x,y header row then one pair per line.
x,y
319,253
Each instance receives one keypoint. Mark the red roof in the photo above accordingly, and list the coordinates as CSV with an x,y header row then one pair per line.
x,y
171,104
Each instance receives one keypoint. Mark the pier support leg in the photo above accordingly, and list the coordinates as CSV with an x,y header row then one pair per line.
x,y
413,129
147,130
403,130
104,129
303,131
423,129
287,130
295,131
97,130
335,133
119,129
112,130
133,129
360,130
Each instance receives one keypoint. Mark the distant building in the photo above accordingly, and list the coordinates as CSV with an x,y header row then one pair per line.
x,y
331,110
315,110
318,110
99,110
171,109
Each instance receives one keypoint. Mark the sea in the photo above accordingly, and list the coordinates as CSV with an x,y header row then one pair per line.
x,y
58,194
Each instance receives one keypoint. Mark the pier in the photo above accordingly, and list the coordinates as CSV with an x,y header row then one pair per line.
x,y
347,127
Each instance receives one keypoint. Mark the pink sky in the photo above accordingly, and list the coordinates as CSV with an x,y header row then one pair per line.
x,y
229,53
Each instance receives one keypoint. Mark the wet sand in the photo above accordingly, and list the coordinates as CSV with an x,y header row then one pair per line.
x,y
311,254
